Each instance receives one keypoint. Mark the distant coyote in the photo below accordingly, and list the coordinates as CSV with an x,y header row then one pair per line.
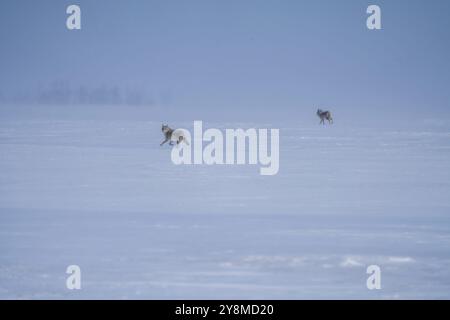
x,y
170,134
324,115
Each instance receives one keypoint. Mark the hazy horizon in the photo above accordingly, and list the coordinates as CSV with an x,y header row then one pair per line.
x,y
233,60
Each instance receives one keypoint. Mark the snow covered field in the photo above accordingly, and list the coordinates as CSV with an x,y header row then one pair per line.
x,y
105,196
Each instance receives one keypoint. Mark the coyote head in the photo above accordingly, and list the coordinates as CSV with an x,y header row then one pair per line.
x,y
165,128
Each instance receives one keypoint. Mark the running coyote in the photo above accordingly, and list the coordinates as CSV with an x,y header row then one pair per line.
x,y
324,115
171,134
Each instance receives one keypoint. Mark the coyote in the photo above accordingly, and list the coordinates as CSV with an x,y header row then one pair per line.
x,y
324,115
169,134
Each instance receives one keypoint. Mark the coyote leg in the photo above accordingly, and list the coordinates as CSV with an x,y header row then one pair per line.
x,y
164,142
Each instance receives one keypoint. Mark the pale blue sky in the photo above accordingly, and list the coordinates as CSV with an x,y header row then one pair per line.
x,y
236,57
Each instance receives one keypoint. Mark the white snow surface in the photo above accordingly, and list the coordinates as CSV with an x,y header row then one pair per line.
x,y
105,196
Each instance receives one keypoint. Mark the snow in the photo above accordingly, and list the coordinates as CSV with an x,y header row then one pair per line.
x,y
102,194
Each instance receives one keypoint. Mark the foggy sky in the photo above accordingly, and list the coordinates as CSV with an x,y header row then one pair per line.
x,y
232,58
